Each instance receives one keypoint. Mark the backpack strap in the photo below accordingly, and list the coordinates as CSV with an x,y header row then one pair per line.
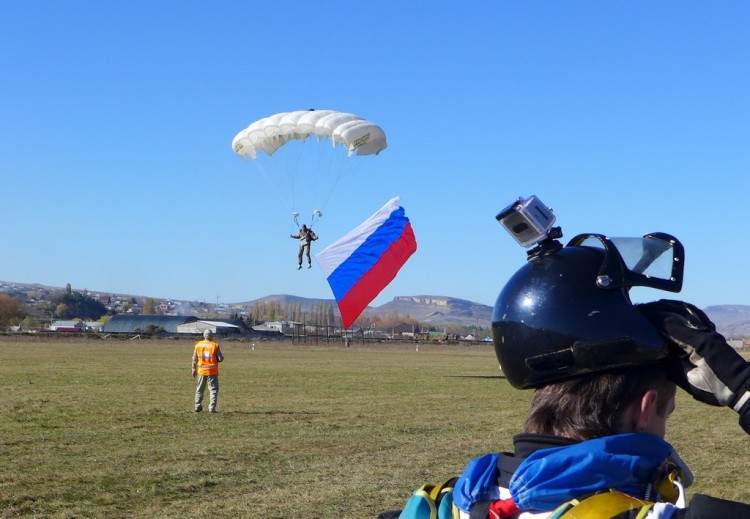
x,y
436,492
431,502
604,505
667,480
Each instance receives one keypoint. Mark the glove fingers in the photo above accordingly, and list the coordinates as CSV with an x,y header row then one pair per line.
x,y
685,375
699,316
657,311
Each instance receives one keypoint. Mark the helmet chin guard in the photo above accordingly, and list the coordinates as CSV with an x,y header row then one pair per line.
x,y
567,312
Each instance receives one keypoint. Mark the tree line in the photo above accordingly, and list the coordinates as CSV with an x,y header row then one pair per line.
x,y
80,305
67,305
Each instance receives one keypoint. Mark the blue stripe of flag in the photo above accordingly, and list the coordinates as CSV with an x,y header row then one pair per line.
x,y
367,254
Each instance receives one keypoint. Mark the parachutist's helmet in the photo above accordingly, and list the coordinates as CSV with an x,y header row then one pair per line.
x,y
568,311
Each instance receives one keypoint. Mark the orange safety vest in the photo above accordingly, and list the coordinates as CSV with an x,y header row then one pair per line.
x,y
208,360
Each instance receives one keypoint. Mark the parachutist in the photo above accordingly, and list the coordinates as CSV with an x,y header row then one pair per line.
x,y
305,236
282,146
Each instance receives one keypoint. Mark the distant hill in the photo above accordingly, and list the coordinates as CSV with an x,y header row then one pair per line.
x,y
439,310
732,321
436,310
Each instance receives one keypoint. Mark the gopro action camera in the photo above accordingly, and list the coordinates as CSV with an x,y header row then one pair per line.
x,y
528,221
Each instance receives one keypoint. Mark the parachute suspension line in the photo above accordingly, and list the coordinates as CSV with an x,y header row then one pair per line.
x,y
267,177
324,183
341,173
324,163
292,163
296,167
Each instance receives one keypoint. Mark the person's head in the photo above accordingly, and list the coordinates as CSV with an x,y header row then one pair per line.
x,y
633,399
208,335
567,311
304,227
564,325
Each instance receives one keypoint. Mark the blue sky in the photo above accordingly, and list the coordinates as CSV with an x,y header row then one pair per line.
x,y
116,122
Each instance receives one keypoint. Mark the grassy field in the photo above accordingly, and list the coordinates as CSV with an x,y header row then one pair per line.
x,y
105,429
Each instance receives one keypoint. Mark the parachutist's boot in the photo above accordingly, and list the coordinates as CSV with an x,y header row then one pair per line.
x,y
309,265
300,266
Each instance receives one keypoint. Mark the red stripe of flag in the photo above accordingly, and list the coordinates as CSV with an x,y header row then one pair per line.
x,y
376,279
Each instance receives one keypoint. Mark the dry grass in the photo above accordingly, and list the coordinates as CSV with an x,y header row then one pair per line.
x,y
105,429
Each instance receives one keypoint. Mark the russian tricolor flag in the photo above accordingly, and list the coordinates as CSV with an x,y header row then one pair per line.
x,y
362,263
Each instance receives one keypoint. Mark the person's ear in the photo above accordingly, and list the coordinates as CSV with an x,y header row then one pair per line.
x,y
645,410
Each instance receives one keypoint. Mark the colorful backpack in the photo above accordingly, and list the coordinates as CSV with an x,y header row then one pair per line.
x,y
436,502
428,502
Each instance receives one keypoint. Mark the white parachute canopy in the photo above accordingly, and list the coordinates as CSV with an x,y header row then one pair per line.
x,y
304,154
354,133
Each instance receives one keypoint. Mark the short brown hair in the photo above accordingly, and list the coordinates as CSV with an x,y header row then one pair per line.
x,y
591,406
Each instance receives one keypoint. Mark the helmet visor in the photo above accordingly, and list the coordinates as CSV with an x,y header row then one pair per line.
x,y
656,260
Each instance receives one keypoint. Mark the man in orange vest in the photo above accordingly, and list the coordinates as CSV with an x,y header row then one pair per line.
x,y
206,358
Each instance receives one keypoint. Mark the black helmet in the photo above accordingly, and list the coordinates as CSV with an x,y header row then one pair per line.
x,y
568,312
